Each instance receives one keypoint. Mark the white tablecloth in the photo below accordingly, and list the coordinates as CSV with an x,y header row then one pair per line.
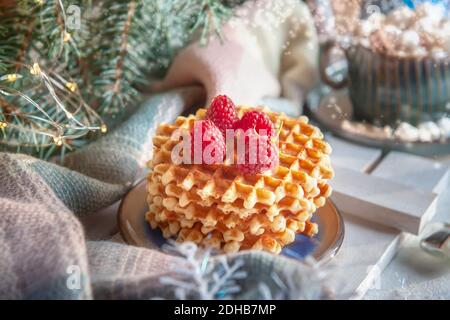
x,y
413,273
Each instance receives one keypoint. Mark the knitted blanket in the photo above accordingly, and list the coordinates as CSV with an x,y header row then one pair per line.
x,y
44,253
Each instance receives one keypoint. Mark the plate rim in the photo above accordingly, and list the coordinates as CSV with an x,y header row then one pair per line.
x,y
325,256
415,147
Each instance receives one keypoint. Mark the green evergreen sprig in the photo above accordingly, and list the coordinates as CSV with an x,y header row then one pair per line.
x,y
89,74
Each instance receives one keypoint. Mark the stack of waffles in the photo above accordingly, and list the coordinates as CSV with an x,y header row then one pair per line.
x,y
217,206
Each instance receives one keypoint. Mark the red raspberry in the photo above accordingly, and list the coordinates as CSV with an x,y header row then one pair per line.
x,y
257,120
222,112
263,156
209,134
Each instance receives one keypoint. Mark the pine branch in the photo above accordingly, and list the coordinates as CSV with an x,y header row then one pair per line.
x,y
95,70
25,44
115,55
54,32
15,30
123,47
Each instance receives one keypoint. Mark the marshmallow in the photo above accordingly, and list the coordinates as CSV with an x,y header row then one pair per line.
x,y
419,52
425,135
444,126
445,29
432,128
408,33
435,12
406,132
401,17
425,25
365,28
392,31
377,19
409,40
446,46
440,53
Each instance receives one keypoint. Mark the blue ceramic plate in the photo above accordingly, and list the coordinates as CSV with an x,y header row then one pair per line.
x,y
136,231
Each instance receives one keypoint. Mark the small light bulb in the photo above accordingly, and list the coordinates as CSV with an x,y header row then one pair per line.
x,y
35,70
67,36
103,128
72,86
11,77
57,140
3,125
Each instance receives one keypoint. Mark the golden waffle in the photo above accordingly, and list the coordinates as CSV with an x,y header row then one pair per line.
x,y
229,241
303,170
210,215
237,207
165,213
208,226
219,206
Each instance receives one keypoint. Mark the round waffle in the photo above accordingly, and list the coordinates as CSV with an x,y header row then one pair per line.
x,y
216,205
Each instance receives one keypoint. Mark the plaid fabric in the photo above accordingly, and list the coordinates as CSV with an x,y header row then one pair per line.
x,y
43,250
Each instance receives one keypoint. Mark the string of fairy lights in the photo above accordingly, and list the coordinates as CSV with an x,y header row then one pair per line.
x,y
75,66
53,129
79,120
